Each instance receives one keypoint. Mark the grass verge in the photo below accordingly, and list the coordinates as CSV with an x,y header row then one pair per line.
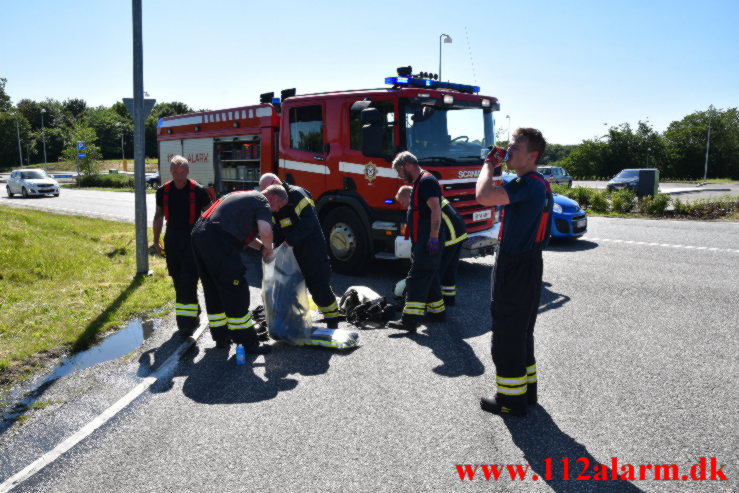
x,y
67,280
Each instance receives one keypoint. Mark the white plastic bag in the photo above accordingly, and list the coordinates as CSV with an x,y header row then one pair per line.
x,y
286,302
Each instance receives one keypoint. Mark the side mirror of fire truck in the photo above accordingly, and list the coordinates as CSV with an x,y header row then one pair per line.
x,y
372,132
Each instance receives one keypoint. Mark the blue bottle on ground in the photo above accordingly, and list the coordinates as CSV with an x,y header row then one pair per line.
x,y
240,355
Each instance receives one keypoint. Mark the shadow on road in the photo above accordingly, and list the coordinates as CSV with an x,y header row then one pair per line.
x,y
543,442
215,378
570,245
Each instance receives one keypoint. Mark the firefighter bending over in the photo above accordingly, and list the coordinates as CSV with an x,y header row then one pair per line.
x,y
217,239
524,232
423,293
298,225
180,202
455,232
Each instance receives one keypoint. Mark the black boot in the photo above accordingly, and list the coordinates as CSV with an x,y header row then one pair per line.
x,y
260,349
531,394
332,323
403,324
504,405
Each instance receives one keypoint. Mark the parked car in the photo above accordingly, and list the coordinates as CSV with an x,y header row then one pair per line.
x,y
625,179
568,218
31,182
556,174
153,180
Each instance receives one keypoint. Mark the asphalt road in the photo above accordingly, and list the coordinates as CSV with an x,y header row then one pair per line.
x,y
637,342
114,206
687,192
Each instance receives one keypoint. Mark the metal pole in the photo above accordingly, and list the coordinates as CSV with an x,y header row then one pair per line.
x,y
508,117
139,151
440,57
20,151
708,145
43,136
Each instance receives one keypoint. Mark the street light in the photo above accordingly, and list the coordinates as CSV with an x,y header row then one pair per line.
x,y
447,39
43,135
708,145
18,132
509,128
123,155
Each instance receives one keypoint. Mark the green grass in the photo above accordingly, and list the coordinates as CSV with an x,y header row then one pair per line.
x,y
65,281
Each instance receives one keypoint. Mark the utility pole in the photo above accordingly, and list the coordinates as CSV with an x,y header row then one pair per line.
x,y
708,145
18,132
43,136
139,151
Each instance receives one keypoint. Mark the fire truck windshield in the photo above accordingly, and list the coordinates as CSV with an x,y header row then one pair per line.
x,y
451,135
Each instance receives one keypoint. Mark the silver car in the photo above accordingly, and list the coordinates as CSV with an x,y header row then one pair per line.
x,y
31,183
556,174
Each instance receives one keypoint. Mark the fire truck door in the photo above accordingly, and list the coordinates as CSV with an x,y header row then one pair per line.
x,y
302,146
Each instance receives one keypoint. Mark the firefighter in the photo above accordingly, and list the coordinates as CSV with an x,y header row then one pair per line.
x,y
423,293
298,225
217,239
516,279
180,202
456,233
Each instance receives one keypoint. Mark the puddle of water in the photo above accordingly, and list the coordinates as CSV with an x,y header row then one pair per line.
x,y
114,346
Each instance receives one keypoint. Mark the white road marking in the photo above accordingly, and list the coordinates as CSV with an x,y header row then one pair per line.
x,y
666,245
104,417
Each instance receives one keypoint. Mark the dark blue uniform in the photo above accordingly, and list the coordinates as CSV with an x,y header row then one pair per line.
x,y
181,209
524,232
217,240
423,288
456,233
297,223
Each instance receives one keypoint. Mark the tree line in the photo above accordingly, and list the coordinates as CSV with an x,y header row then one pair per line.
x,y
678,152
107,131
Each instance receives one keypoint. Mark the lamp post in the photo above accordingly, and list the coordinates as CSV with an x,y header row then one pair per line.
x,y
123,154
447,39
18,132
43,135
708,145
508,117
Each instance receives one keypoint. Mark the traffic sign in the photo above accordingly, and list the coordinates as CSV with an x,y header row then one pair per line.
x,y
80,146
148,105
81,154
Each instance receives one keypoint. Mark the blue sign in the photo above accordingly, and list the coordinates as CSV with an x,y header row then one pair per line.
x,y
81,154
80,146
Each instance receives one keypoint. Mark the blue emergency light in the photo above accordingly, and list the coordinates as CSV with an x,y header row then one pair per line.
x,y
432,84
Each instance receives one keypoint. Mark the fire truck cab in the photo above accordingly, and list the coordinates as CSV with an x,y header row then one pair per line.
x,y
339,146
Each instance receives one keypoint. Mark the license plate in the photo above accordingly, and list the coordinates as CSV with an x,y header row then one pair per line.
x,y
580,223
480,215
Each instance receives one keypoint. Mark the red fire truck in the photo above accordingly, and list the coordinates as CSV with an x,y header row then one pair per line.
x,y
340,146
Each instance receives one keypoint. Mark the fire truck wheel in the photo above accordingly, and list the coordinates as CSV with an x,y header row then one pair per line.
x,y
347,241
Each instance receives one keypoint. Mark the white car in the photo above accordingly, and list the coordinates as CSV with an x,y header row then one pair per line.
x,y
31,182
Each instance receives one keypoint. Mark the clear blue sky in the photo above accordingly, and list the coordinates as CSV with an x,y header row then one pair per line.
x,y
566,67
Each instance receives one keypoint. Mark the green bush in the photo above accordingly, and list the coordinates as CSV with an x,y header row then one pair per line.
x,y
623,201
653,206
709,208
107,181
599,201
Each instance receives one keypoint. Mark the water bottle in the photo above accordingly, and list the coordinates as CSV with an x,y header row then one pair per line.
x,y
240,355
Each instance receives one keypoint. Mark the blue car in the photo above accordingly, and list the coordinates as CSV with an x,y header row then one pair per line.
x,y
568,219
